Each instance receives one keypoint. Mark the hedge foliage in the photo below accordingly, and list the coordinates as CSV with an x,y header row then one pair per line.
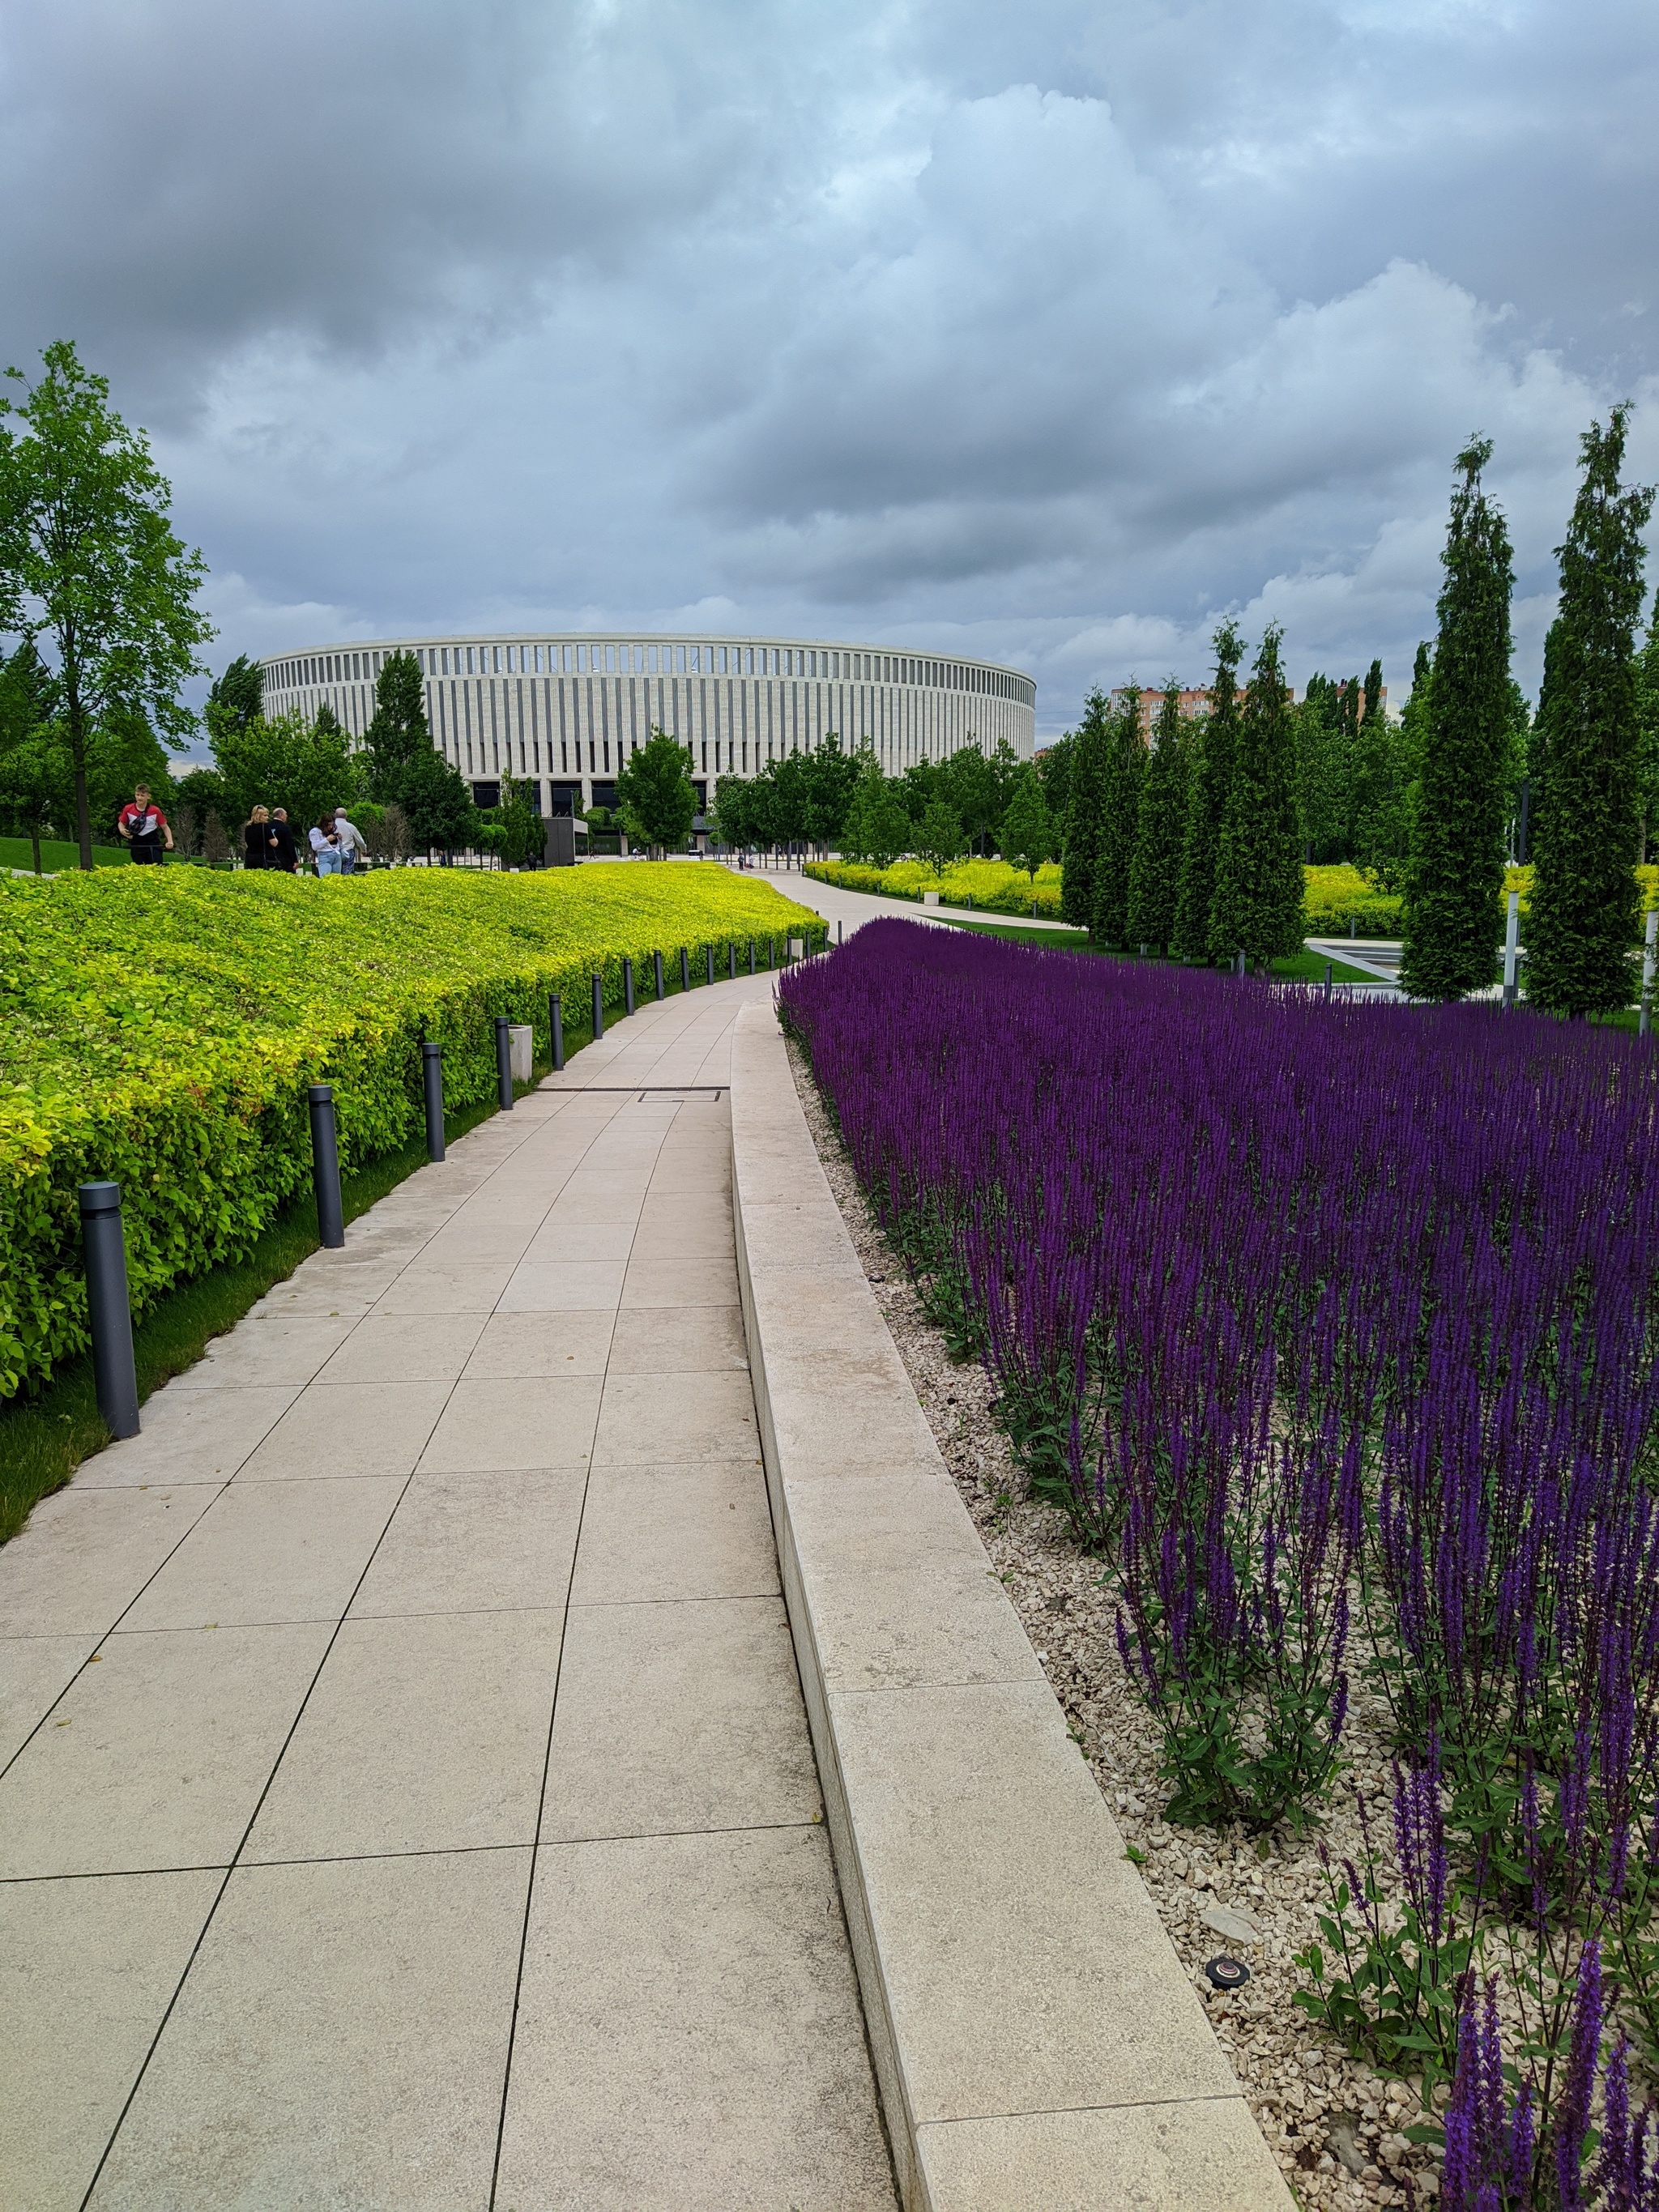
x,y
160,1026
993,886
1332,894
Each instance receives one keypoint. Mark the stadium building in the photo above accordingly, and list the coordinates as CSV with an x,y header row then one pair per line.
x,y
564,712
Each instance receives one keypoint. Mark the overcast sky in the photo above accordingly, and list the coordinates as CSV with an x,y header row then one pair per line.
x,y
1044,330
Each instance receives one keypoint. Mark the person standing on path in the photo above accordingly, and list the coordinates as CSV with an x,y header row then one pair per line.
x,y
325,847
280,853
352,841
143,828
256,840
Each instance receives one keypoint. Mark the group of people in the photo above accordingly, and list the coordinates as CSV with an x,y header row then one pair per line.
x,y
336,842
268,840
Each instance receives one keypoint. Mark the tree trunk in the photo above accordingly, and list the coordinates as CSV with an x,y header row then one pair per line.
x,y
77,738
35,839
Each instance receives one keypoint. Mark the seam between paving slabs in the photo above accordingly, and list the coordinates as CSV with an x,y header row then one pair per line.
x,y
1036,2040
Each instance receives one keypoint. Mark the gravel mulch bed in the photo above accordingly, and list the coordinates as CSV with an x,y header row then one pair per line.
x,y
1334,2124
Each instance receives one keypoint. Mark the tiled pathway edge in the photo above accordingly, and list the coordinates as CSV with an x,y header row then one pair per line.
x,y
1036,2040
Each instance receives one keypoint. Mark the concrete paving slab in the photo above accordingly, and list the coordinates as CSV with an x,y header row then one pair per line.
x,y
85,1551
86,1972
461,1289
649,1418
552,1287
687,2034
558,1243
671,1341
539,1343
273,1348
1174,2155
696,1531
349,1428
678,1716
34,1672
155,1755
519,1421
424,1733
405,1348
270,1552
703,1282
476,1543
190,1433
340,2040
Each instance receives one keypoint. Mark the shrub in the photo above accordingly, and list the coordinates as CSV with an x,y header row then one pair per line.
x,y
161,1027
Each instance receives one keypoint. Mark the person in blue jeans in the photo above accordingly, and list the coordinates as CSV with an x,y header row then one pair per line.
x,y
325,847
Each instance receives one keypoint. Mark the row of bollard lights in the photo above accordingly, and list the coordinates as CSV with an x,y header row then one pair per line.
x,y
103,1240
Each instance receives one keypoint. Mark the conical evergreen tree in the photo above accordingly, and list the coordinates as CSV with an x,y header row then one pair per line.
x,y
1155,871
1380,819
1124,768
399,731
1454,915
1259,884
1647,751
1206,800
1585,904
1083,808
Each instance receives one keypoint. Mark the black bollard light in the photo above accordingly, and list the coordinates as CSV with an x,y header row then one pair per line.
x,y
686,970
656,962
503,1064
751,956
731,961
710,951
325,1166
432,1082
109,1310
555,1030
628,984
599,1005
1329,971
841,927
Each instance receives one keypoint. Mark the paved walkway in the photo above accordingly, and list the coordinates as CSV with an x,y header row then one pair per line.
x,y
409,1801
853,908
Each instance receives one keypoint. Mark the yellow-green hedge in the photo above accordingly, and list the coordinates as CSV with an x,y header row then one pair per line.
x,y
993,885
160,1025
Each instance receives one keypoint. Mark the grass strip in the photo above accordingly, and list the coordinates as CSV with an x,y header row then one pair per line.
x,y
1304,966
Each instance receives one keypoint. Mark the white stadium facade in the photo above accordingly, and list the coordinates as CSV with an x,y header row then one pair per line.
x,y
564,712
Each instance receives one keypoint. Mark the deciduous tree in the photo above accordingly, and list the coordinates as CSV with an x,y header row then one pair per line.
x,y
1027,834
659,803
89,560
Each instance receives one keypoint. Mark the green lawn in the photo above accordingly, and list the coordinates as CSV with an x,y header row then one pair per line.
x,y
1303,967
19,853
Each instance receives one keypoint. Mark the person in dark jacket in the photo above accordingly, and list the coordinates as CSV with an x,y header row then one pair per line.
x,y
282,854
256,840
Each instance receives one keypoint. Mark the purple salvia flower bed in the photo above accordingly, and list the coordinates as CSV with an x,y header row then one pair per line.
x,y
1305,1311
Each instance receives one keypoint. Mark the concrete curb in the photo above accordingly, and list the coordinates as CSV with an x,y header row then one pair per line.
x,y
1036,2042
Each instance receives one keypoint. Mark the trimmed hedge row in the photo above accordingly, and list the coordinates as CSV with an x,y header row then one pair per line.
x,y
992,886
160,1026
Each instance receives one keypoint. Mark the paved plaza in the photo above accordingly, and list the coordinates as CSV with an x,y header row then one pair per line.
x,y
409,1801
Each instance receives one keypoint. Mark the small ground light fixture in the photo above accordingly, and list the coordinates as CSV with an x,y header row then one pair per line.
x,y
1227,1973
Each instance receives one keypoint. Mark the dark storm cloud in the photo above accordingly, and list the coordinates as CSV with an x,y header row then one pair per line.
x,y
1047,332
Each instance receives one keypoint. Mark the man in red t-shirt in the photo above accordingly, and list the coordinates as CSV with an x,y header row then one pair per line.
x,y
143,827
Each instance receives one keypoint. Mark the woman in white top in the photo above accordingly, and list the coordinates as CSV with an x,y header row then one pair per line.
x,y
325,847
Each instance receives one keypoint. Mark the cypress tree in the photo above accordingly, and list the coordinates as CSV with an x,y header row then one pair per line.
x,y
1453,915
1647,755
1155,871
1083,805
1206,800
1124,767
1585,905
1259,884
